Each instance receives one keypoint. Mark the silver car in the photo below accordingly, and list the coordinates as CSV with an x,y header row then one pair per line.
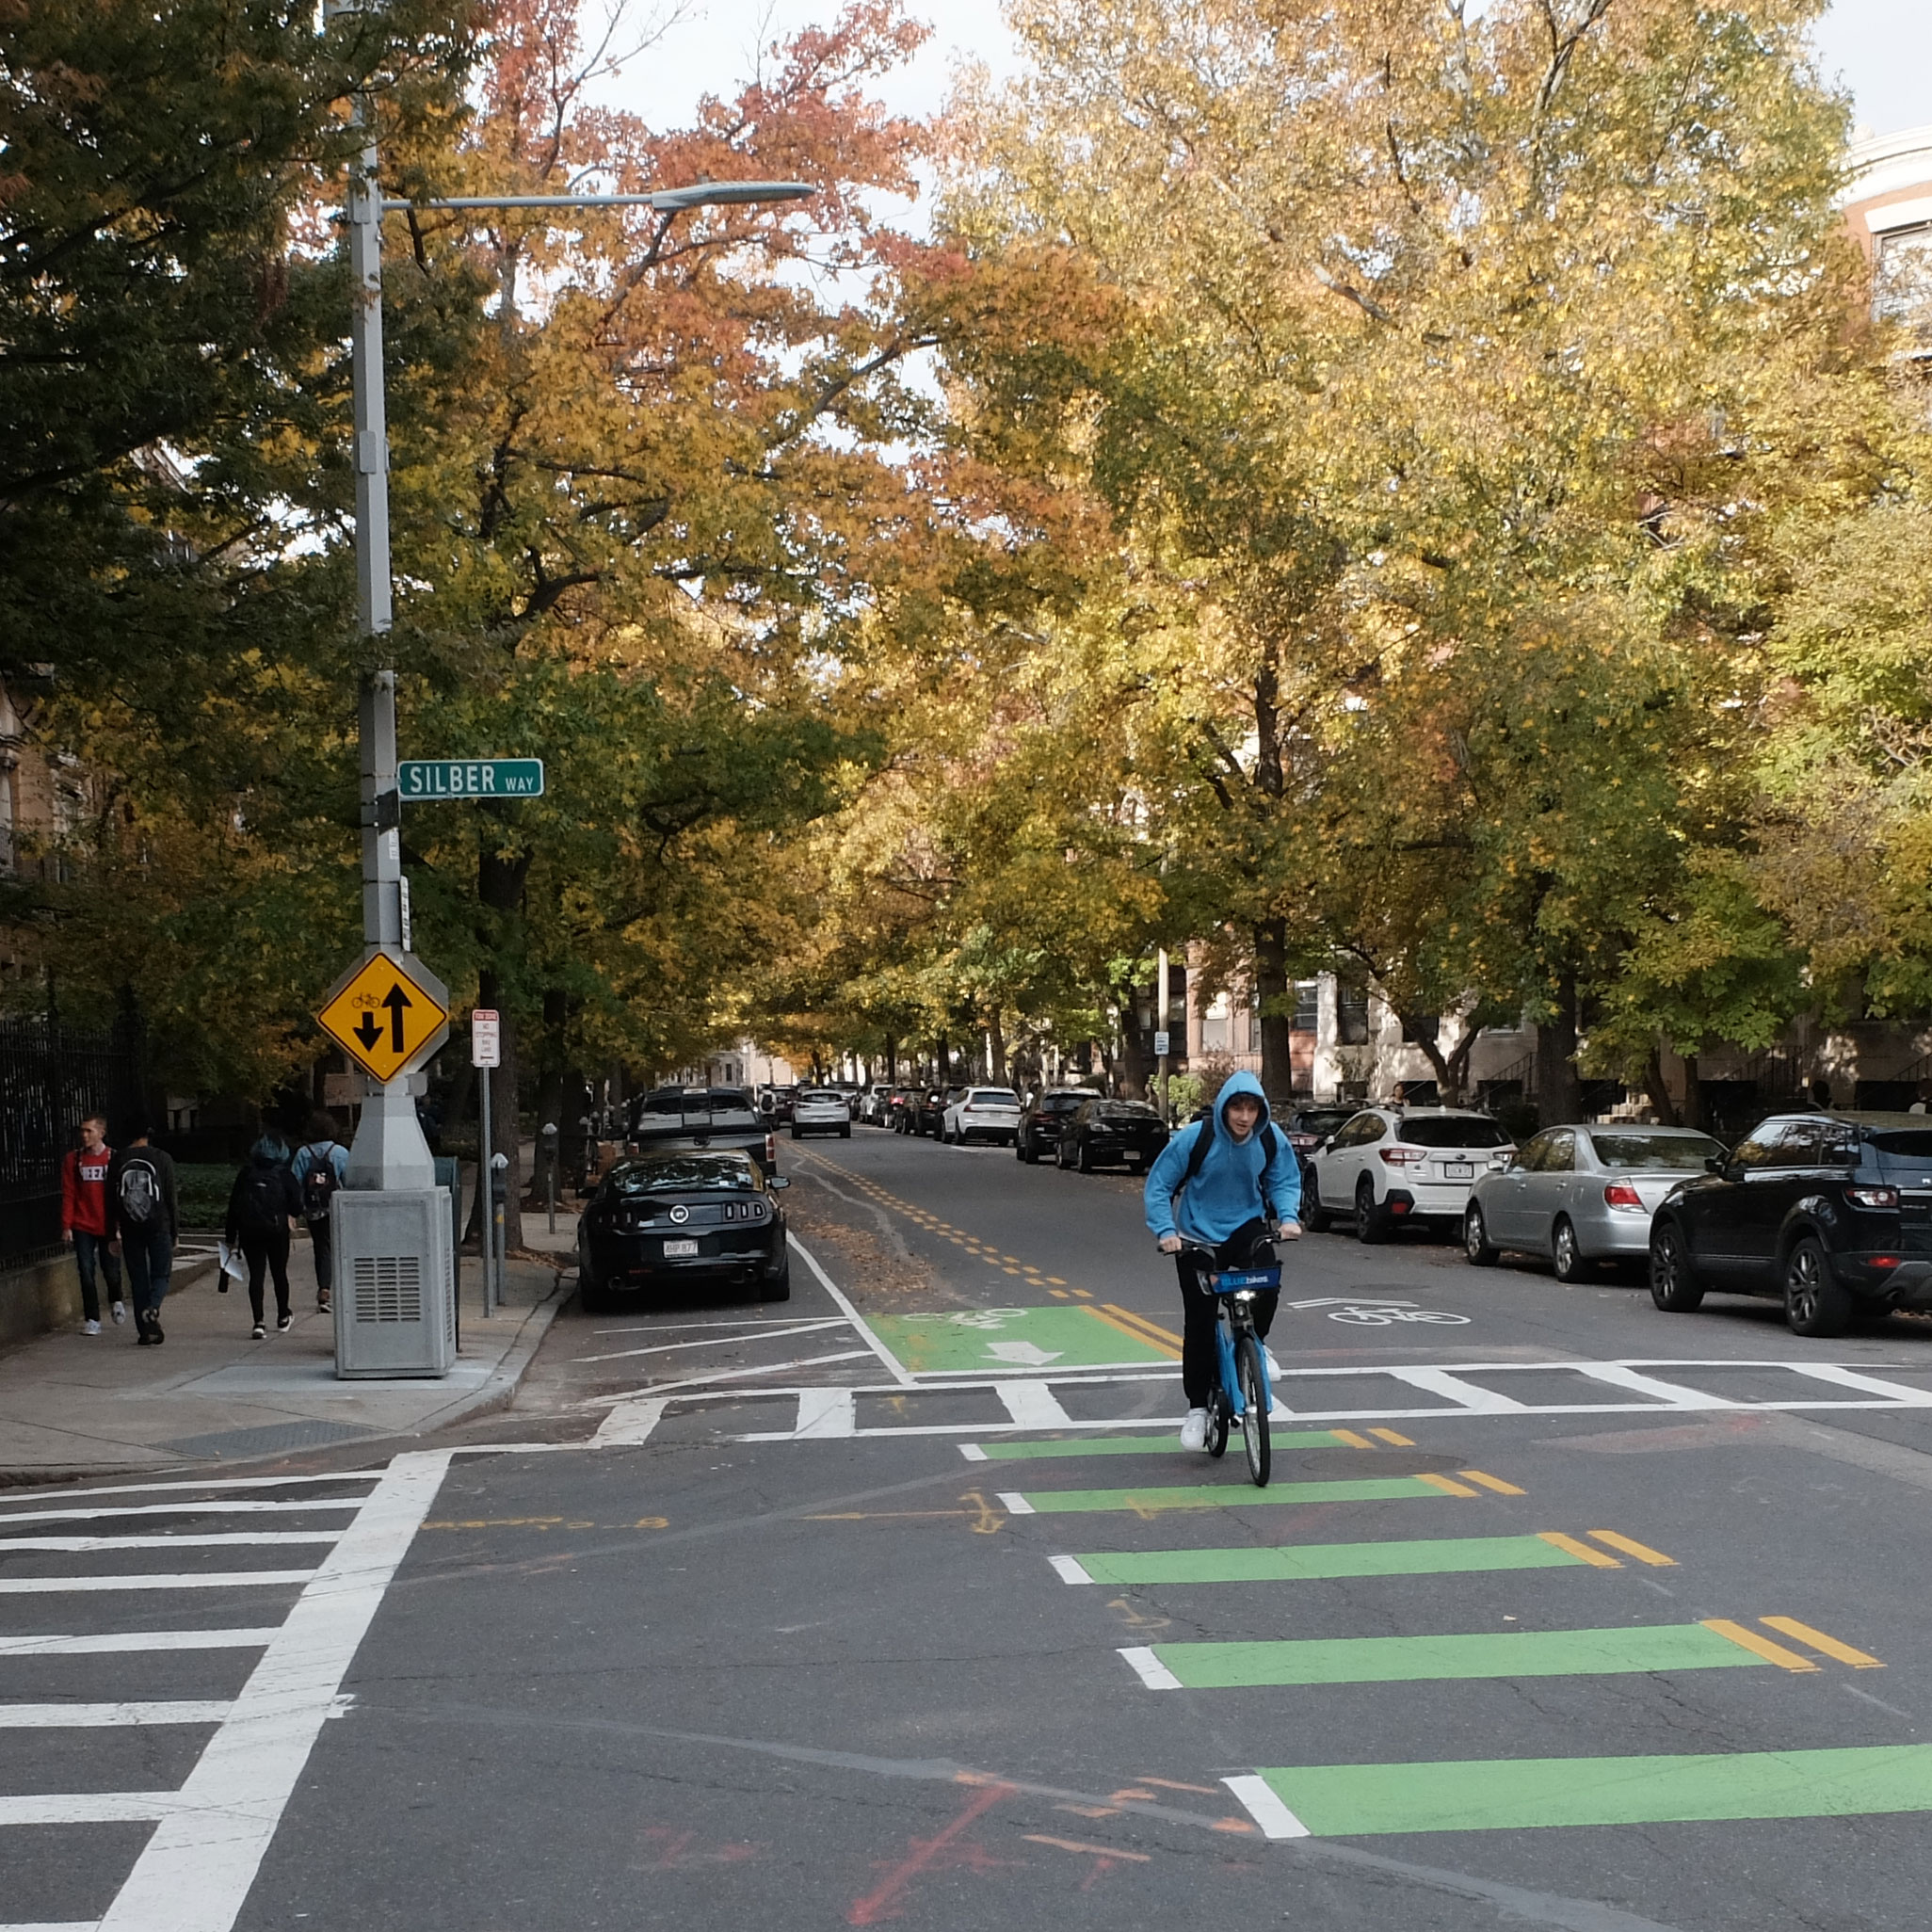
x,y
1581,1194
821,1110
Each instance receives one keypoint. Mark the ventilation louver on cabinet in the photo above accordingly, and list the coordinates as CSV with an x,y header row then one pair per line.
x,y
389,1288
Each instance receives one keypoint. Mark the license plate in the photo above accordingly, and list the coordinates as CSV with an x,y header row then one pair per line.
x,y
1458,1170
672,1249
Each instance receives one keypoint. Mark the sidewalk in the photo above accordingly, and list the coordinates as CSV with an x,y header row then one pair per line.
x,y
78,1404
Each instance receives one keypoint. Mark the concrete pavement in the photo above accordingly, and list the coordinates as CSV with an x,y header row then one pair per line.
x,y
74,1406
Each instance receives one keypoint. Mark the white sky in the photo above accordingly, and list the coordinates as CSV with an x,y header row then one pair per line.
x,y
1881,49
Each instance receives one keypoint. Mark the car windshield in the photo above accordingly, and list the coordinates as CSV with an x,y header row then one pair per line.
x,y
1125,1110
820,1093
1453,1130
1060,1102
1307,1122
685,1174
1678,1153
994,1097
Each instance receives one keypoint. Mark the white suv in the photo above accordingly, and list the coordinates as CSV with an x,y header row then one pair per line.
x,y
983,1113
821,1110
1390,1165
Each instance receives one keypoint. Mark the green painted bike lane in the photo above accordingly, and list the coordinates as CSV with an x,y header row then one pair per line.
x,y
1014,1340
1314,1562
1155,1501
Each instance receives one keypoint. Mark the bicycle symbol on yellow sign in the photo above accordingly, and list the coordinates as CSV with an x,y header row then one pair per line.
x,y
387,1014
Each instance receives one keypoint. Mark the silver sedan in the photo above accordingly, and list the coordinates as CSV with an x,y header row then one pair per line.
x,y
1581,1194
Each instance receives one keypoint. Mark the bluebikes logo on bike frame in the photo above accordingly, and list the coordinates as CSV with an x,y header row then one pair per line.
x,y
1373,1313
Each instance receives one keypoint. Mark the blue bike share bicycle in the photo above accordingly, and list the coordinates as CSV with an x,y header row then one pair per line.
x,y
1241,1391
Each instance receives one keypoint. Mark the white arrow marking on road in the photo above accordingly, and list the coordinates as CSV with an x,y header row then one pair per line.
x,y
1022,1353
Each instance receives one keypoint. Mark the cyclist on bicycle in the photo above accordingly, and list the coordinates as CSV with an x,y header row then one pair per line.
x,y
1229,1183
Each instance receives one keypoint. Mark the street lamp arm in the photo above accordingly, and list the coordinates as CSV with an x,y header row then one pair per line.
x,y
703,194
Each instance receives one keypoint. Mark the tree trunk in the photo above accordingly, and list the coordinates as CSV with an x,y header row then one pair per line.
x,y
996,1048
1277,1015
1693,1094
943,1059
1559,1093
892,1061
1658,1093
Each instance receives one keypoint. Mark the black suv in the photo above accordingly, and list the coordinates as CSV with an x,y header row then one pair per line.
x,y
1830,1212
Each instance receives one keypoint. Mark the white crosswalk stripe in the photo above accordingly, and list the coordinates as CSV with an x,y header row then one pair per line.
x,y
194,1872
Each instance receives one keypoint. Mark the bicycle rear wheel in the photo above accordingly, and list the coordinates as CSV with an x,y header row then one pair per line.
x,y
1254,1402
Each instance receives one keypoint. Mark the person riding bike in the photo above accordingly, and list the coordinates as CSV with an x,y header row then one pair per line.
x,y
1229,1183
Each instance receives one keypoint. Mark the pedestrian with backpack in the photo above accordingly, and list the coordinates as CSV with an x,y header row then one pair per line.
x,y
84,1221
1229,1183
143,1221
263,1208
321,1166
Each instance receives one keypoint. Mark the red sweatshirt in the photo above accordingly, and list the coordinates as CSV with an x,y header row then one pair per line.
x,y
84,1191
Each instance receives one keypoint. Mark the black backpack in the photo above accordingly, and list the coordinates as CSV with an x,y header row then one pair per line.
x,y
262,1197
319,1184
140,1191
1203,1144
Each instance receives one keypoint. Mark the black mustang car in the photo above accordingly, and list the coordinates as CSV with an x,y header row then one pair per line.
x,y
679,1219
1829,1213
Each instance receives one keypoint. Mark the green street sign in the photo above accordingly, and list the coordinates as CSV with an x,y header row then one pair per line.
x,y
427,780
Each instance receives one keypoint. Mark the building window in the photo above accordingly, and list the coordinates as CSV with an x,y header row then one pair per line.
x,y
1420,1029
1352,1015
1308,1004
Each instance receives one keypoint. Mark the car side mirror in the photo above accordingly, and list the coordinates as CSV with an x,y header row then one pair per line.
x,y
1715,1164
778,1181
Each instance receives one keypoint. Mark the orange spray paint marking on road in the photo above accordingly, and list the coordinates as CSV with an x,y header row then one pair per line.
x,y
932,1854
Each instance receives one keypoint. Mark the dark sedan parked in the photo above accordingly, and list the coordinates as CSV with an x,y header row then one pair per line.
x,y
1831,1212
1106,1132
1043,1116
682,1219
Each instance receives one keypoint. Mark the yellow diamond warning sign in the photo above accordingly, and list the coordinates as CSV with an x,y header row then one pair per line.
x,y
387,1014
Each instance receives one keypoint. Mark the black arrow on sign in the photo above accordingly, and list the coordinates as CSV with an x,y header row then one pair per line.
x,y
368,1030
396,1000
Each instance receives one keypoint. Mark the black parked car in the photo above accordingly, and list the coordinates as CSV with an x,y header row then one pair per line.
x,y
929,1109
1101,1132
1043,1118
1307,1127
1829,1212
676,1220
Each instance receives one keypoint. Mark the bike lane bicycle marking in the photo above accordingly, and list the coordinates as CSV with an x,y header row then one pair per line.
x,y
1614,1651
1524,1793
1314,1562
1153,1502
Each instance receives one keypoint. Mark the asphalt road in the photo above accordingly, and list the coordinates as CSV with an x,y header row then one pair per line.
x,y
898,1604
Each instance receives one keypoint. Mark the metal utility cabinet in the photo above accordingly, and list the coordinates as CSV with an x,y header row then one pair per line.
x,y
394,1290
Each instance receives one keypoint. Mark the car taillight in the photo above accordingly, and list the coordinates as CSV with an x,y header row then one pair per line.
x,y
1871,1196
1402,1156
1621,1193
771,1149
1885,1261
1298,1141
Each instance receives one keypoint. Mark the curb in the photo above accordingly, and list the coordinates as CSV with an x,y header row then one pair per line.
x,y
504,1380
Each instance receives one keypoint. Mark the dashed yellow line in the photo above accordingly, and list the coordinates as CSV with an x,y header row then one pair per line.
x,y
1489,1482
1582,1552
1448,1484
1391,1437
1156,1339
1759,1647
1642,1552
1826,1645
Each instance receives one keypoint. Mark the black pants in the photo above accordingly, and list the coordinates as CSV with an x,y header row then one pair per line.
x,y
267,1248
149,1253
90,1251
1200,1352
319,1232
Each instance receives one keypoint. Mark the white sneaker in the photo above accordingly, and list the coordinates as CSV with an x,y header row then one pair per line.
x,y
90,1328
120,1312
1194,1430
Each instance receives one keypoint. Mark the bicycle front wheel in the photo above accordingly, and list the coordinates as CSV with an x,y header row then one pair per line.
x,y
1219,1412
1254,1402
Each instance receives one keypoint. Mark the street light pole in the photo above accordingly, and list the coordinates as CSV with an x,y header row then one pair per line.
x,y
389,1151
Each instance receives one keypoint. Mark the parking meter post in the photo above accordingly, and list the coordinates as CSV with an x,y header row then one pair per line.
x,y
499,1202
483,1187
551,1143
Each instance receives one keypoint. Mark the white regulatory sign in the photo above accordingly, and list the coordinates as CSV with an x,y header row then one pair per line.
x,y
486,1037
1160,1044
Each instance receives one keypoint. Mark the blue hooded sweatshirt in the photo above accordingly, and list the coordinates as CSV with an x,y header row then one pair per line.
x,y
1229,1188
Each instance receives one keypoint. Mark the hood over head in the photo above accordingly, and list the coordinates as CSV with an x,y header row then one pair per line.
x,y
1238,1085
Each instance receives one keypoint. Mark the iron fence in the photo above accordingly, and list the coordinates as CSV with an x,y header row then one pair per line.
x,y
52,1077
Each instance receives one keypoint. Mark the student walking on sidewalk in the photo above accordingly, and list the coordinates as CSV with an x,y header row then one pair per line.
x,y
321,1166
142,1218
263,1208
84,1221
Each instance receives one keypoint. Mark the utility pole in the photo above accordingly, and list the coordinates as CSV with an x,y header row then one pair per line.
x,y
1160,1040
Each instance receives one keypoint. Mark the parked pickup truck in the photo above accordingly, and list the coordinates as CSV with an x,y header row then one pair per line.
x,y
713,1117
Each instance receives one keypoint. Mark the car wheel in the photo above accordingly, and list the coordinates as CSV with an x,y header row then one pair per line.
x,y
1371,1223
1019,1148
1475,1238
796,1135
845,1131
1313,1215
778,1289
1815,1304
1564,1255
590,1300
1674,1285
1085,1158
